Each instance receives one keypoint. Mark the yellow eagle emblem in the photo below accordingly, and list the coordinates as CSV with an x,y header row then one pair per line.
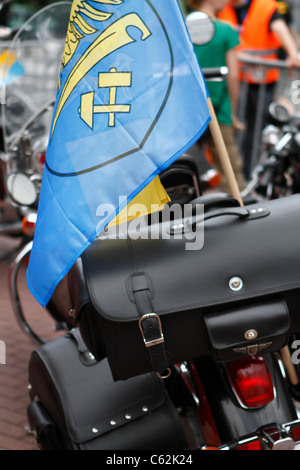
x,y
114,37
79,27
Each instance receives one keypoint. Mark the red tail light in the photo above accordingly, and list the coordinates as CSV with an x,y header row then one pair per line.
x,y
28,224
205,447
212,178
41,158
251,381
250,445
295,432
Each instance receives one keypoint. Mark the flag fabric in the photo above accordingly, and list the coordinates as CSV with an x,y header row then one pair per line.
x,y
131,99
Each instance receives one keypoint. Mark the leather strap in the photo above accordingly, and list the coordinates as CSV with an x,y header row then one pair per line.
x,y
149,323
85,356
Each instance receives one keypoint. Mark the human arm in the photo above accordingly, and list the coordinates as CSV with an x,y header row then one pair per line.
x,y
233,84
280,28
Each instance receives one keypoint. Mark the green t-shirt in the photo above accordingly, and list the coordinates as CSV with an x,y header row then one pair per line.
x,y
213,54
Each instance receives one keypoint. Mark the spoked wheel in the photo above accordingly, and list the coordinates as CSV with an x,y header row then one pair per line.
x,y
34,320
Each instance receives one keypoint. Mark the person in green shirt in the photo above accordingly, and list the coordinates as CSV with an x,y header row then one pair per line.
x,y
183,6
219,52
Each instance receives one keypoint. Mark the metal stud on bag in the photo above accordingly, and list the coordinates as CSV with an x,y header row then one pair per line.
x,y
250,334
236,283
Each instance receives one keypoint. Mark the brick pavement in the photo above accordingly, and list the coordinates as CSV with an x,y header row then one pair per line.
x,y
13,375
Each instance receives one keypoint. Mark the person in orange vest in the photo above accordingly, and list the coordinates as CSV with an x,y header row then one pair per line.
x,y
262,31
219,52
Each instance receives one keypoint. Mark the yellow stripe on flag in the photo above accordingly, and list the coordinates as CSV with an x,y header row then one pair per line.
x,y
151,199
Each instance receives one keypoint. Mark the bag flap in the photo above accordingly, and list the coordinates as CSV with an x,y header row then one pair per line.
x,y
248,325
261,253
84,401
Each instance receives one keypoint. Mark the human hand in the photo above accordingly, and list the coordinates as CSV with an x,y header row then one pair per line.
x,y
293,62
237,124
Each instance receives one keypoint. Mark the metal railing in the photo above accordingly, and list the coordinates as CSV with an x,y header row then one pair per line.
x,y
287,88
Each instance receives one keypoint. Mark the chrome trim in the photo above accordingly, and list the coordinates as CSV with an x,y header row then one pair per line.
x,y
252,349
286,441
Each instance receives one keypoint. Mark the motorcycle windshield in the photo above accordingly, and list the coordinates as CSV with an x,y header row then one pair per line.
x,y
29,73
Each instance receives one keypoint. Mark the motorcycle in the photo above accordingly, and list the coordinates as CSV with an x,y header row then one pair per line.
x,y
23,120
278,172
222,402
32,64
11,211
202,402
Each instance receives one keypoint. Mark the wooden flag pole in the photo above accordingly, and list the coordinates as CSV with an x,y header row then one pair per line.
x,y
290,367
223,154
234,191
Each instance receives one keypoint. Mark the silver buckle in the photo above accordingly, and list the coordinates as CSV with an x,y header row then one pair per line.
x,y
156,341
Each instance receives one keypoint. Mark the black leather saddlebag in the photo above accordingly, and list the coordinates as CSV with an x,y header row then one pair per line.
x,y
76,405
149,303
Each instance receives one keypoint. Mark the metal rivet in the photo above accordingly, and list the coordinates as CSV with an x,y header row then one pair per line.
x,y
127,416
94,430
145,409
250,334
235,283
113,423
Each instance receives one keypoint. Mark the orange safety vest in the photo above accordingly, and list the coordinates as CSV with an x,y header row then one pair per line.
x,y
256,38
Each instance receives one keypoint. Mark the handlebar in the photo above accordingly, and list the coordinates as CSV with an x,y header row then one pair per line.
x,y
215,72
280,64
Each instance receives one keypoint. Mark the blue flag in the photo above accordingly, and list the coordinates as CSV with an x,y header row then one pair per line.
x,y
131,99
